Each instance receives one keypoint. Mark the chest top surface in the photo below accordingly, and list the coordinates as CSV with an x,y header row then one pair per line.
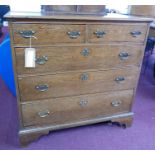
x,y
76,17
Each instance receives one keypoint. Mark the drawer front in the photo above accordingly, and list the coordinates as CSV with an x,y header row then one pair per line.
x,y
72,109
67,58
76,83
123,32
48,34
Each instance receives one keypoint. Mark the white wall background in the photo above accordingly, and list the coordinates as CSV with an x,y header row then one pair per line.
x,y
25,7
121,7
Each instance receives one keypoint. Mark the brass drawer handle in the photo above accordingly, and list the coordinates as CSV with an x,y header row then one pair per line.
x,y
135,33
41,60
83,103
84,76
115,103
99,34
120,79
42,87
26,33
43,114
73,34
85,52
123,55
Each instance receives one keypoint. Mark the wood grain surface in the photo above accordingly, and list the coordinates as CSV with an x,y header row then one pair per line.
x,y
70,58
69,84
68,109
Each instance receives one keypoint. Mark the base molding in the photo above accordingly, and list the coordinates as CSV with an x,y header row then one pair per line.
x,y
27,135
123,122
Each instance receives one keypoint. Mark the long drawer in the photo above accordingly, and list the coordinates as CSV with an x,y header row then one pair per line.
x,y
68,58
76,83
48,33
117,32
77,108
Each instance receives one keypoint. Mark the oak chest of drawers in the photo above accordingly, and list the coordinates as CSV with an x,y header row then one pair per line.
x,y
87,69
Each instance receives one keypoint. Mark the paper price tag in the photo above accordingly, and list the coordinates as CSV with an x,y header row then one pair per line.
x,y
30,55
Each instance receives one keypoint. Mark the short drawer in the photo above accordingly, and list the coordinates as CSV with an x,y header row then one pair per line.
x,y
76,83
78,108
117,33
47,34
69,58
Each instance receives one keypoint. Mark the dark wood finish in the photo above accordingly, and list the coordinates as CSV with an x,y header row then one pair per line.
x,y
68,84
75,87
70,58
59,8
73,9
152,32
